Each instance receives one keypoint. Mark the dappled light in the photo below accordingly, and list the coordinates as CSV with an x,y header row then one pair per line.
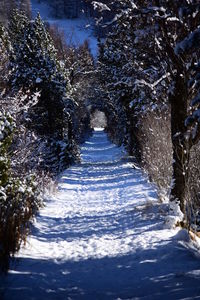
x,y
99,150
101,236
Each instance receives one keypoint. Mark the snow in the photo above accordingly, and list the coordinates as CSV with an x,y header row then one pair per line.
x,y
38,80
100,6
102,235
151,85
76,31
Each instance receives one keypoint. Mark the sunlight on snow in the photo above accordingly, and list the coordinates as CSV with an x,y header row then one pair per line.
x,y
101,236
94,213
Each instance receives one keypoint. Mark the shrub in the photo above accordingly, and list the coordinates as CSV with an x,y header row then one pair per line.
x,y
19,198
19,201
193,188
156,147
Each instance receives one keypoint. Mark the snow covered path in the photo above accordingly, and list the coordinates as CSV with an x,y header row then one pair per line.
x,y
102,237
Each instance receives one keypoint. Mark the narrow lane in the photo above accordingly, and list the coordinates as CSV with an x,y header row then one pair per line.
x,y
102,236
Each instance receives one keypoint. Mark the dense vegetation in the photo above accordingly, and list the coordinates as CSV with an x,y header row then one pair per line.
x,y
43,118
146,81
149,70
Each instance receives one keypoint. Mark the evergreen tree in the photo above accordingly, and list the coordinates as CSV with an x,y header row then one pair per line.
x,y
17,26
4,46
80,65
35,67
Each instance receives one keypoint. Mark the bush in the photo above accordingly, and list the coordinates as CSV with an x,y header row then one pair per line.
x,y
19,201
156,147
19,198
193,188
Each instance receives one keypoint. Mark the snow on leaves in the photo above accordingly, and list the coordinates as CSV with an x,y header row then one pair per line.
x,y
100,6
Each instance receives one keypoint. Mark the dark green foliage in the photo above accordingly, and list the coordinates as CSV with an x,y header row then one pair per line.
x,y
17,26
6,129
4,46
43,88
35,67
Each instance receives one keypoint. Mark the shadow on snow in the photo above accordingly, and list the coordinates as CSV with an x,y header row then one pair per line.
x,y
145,274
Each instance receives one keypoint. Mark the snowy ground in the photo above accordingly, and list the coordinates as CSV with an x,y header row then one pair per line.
x,y
102,236
76,31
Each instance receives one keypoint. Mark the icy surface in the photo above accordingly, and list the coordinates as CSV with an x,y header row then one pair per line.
x,y
76,31
102,236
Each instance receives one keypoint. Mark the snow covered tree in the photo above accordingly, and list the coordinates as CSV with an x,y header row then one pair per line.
x,y
34,66
80,65
177,38
118,67
16,29
5,140
4,45
109,95
159,63
19,197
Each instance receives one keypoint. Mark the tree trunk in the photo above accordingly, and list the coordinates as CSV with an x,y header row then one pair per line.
x,y
135,145
70,130
178,103
134,148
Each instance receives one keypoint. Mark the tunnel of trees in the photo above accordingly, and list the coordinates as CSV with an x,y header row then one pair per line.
x,y
144,85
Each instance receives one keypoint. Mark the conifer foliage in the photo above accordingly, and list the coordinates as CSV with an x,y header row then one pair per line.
x,y
35,67
43,117
4,45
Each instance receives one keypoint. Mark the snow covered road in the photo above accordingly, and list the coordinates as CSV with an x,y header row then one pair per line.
x,y
102,236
